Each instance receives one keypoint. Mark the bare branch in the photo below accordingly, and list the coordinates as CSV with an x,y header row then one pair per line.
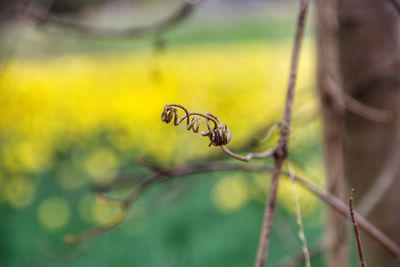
x,y
335,203
181,14
377,74
77,238
281,151
356,231
346,101
206,167
268,215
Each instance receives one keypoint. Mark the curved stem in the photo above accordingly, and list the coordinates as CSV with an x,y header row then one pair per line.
x,y
216,122
188,114
256,155
253,155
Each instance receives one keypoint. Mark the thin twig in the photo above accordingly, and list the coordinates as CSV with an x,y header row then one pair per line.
x,y
254,155
87,235
283,232
281,151
356,231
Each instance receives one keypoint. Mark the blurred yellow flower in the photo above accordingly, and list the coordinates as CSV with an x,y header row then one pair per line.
x,y
230,193
103,213
102,165
19,191
97,211
54,213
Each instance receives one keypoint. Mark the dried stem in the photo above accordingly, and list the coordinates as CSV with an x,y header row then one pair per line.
x,y
297,260
219,134
254,155
280,152
356,231
299,220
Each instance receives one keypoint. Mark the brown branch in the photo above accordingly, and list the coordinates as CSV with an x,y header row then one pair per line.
x,y
281,151
268,215
77,238
182,13
346,101
206,167
124,209
377,74
338,205
356,231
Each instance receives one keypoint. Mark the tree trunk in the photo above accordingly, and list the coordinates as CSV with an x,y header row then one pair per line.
x,y
368,51
333,114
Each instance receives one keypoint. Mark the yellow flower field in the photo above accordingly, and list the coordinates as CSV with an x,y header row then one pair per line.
x,y
47,103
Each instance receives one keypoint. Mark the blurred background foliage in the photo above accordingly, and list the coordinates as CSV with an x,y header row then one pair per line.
x,y
77,113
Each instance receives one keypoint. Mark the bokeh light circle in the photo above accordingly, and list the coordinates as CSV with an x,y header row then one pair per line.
x,y
54,213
